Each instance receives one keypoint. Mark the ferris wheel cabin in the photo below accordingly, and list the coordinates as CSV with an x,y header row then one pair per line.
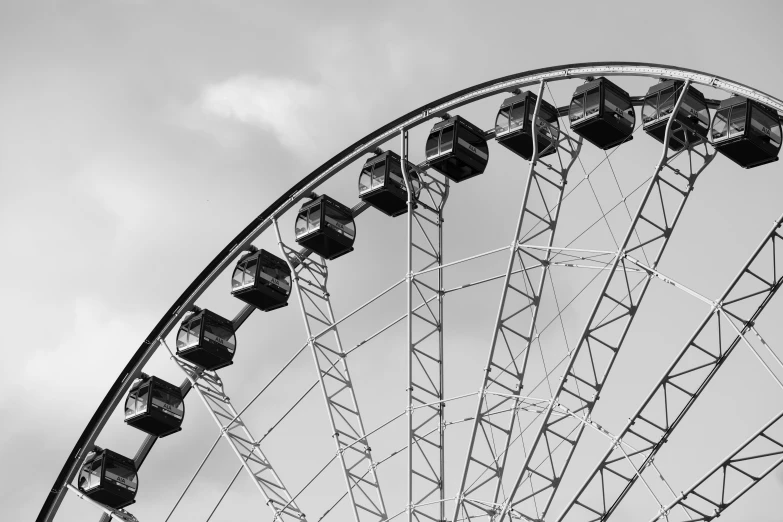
x,y
692,121
262,280
155,406
746,132
457,149
382,186
109,478
326,227
514,129
207,340
602,113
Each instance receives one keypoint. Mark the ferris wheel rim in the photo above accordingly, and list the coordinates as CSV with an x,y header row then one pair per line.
x,y
324,172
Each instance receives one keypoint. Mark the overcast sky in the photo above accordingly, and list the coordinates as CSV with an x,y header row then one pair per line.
x,y
137,138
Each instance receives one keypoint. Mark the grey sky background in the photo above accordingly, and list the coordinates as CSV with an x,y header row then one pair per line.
x,y
137,138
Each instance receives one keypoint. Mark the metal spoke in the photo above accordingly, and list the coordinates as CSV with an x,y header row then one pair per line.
x,y
425,407
514,326
209,388
745,467
693,368
602,339
310,280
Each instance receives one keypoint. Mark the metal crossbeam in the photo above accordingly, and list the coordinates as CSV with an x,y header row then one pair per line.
x,y
310,281
514,325
108,512
674,394
608,323
425,406
711,495
209,387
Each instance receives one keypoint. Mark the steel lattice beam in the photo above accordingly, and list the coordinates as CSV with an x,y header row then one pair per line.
x,y
209,388
514,326
426,422
609,321
693,368
310,281
753,460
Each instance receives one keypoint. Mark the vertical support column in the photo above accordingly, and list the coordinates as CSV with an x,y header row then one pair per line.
x,y
310,278
425,411
514,327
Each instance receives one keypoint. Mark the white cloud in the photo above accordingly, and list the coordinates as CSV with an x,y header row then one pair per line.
x,y
89,357
282,106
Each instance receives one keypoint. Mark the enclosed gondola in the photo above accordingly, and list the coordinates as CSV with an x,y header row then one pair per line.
x,y
692,121
262,280
155,407
602,113
746,132
514,129
457,149
381,184
207,340
109,478
326,227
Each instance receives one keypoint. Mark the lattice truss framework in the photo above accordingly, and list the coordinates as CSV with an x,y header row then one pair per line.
x,y
730,320
733,477
521,479
721,323
531,492
486,489
526,273
310,276
209,387
426,422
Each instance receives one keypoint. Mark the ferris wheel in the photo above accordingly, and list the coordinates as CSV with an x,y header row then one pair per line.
x,y
506,444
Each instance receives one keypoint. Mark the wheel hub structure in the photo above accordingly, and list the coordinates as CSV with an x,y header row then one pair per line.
x,y
460,366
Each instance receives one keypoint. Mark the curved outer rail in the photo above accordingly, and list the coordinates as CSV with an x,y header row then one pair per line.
x,y
310,182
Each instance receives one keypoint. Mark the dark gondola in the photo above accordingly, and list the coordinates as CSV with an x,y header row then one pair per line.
x,y
457,149
746,132
109,478
601,112
513,127
155,407
691,122
262,280
381,184
206,339
326,227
